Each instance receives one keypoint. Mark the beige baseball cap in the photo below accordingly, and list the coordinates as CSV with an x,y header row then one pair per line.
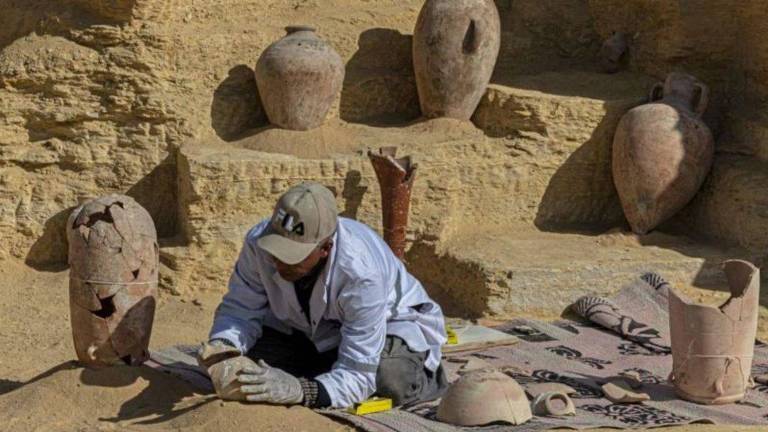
x,y
304,216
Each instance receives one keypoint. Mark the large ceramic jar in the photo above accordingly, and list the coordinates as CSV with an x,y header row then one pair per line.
x,y
298,78
662,151
113,260
455,46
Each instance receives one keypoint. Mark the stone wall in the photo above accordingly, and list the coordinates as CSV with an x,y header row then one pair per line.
x,y
722,43
104,96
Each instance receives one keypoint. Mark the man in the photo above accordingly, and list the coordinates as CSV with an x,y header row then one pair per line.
x,y
327,311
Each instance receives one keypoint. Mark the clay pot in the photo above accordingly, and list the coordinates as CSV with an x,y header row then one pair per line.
x,y
298,78
455,46
662,151
113,258
712,347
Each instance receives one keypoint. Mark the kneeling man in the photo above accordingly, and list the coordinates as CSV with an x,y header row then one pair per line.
x,y
328,312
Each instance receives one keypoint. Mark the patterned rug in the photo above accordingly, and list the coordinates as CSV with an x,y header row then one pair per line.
x,y
629,332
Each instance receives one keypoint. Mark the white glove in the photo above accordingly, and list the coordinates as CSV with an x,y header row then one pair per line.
x,y
264,383
223,363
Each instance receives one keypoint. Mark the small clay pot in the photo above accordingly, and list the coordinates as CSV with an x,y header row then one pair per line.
x,y
298,78
455,46
662,152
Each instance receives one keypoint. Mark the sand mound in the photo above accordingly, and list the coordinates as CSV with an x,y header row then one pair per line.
x,y
318,143
68,397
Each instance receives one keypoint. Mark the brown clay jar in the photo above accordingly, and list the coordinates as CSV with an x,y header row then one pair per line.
x,y
113,259
662,151
298,78
455,46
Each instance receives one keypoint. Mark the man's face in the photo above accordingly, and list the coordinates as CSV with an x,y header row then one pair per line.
x,y
292,273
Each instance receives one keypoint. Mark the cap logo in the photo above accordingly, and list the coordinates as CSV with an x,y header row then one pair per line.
x,y
286,221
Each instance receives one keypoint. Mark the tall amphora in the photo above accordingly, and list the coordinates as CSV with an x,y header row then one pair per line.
x,y
455,47
662,152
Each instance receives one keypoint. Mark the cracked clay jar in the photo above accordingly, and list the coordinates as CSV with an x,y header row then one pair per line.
x,y
113,259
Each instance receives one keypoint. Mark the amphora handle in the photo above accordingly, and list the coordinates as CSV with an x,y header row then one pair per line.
x,y
702,95
657,92
473,36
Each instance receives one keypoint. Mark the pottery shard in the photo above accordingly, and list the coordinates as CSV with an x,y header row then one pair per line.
x,y
483,397
553,403
662,151
113,258
298,78
712,347
632,378
455,46
619,392
534,390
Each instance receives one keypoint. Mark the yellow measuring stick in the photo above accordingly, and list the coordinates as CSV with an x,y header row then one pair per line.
x,y
370,406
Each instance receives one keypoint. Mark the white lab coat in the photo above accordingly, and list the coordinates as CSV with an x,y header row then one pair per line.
x,y
363,294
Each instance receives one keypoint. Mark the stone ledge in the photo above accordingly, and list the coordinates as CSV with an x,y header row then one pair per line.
x,y
732,206
550,166
502,272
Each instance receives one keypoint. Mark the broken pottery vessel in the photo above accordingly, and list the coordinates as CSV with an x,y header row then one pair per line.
x,y
455,46
484,396
298,78
662,151
612,52
712,347
396,181
113,259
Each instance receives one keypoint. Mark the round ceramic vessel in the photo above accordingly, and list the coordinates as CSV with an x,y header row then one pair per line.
x,y
298,78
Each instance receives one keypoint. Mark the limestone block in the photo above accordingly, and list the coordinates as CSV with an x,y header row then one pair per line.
x,y
119,10
83,114
509,270
566,129
732,206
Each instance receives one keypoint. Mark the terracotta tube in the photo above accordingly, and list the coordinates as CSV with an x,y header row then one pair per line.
x,y
395,181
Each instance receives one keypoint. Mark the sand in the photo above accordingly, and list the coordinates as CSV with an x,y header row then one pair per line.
x,y
42,388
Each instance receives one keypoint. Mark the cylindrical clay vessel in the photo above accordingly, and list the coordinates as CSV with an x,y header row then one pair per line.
x,y
113,258
712,347
298,78
455,46
662,151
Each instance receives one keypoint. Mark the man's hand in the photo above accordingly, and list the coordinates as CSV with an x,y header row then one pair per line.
x,y
263,383
223,362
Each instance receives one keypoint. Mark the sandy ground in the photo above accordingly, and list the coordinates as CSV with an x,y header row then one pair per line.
x,y
43,389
